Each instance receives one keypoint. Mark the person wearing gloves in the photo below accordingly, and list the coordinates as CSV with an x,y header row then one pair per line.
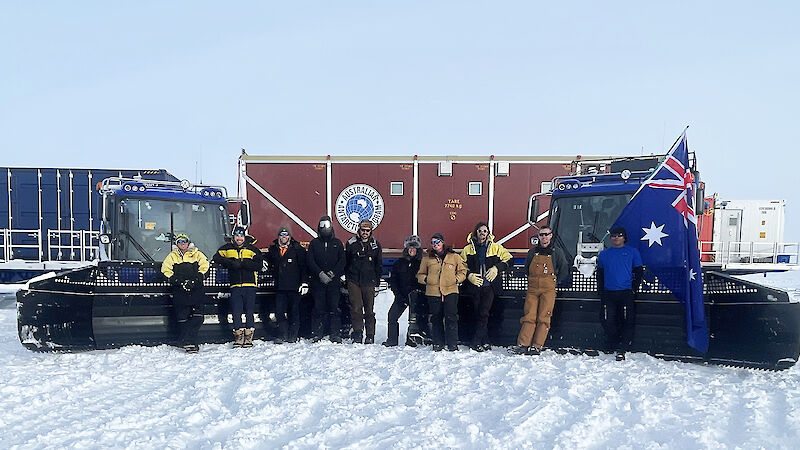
x,y
287,262
243,261
441,271
485,259
545,266
619,274
407,293
363,270
326,262
185,268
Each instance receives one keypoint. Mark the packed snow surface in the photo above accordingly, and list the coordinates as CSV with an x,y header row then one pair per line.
x,y
355,396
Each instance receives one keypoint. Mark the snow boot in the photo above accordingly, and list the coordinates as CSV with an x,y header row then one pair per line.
x,y
336,339
357,336
620,356
591,352
191,348
248,337
475,347
452,348
390,343
438,347
410,342
487,347
369,339
238,338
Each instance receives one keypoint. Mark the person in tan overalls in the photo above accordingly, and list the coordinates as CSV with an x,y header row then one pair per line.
x,y
545,267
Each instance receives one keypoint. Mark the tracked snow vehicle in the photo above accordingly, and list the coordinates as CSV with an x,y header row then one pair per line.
x,y
124,299
749,325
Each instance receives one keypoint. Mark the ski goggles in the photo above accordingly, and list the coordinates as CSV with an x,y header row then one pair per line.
x,y
238,233
283,233
436,241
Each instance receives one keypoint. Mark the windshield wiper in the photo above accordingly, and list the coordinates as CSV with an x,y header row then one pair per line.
x,y
138,246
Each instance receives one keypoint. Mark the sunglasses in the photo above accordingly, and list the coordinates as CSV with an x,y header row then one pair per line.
x,y
238,233
436,241
545,233
283,233
617,235
364,230
483,231
182,241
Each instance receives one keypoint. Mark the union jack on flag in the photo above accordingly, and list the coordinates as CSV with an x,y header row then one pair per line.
x,y
661,223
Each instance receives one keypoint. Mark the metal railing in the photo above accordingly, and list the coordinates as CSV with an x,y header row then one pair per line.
x,y
750,252
72,245
9,246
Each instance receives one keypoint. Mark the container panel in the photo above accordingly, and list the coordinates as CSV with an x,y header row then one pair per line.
x,y
299,187
445,205
396,222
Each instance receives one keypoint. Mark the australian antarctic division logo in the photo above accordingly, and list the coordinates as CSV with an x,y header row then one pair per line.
x,y
356,203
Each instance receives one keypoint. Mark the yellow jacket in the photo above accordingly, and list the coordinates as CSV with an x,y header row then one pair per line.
x,y
441,276
191,257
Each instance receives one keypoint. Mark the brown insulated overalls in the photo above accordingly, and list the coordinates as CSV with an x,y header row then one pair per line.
x,y
539,302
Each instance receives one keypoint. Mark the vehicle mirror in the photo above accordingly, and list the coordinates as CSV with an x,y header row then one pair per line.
x,y
105,238
533,209
244,214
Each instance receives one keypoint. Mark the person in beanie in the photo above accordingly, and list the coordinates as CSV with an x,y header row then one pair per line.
x,y
363,271
441,270
619,274
185,268
326,262
287,262
407,293
545,267
485,259
243,260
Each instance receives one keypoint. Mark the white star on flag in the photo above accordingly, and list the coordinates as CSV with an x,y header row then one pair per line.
x,y
654,234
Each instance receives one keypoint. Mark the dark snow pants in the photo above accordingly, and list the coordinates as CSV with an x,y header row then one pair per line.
x,y
618,317
287,310
444,319
326,309
482,300
190,319
417,316
243,299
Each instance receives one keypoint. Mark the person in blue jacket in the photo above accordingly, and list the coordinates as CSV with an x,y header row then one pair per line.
x,y
619,274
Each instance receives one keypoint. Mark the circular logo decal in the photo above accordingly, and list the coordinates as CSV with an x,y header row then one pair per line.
x,y
356,203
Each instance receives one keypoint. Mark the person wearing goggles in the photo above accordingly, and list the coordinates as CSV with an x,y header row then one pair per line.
x,y
363,271
441,271
185,268
485,259
287,263
243,260
546,266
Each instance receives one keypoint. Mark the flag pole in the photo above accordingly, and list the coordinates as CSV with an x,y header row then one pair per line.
x,y
660,163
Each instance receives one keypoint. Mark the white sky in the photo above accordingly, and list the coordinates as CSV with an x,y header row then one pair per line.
x,y
184,85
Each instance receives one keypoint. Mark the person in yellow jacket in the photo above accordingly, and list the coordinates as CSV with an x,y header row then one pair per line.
x,y
441,271
485,259
185,268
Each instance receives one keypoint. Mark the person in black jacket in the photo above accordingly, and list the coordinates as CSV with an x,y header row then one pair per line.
x,y
363,268
243,261
287,262
407,293
326,262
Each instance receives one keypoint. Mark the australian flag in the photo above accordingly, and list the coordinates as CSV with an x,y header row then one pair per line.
x,y
661,223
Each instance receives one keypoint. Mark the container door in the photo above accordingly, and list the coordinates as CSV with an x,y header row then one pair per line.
x,y
731,232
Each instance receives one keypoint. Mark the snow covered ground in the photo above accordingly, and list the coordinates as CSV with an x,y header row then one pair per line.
x,y
326,395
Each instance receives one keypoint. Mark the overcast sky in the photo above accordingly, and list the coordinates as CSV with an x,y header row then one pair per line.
x,y
185,85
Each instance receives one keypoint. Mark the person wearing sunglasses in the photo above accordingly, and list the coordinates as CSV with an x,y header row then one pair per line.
x,y
325,263
243,260
286,259
363,271
546,266
485,259
619,274
441,271
185,268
